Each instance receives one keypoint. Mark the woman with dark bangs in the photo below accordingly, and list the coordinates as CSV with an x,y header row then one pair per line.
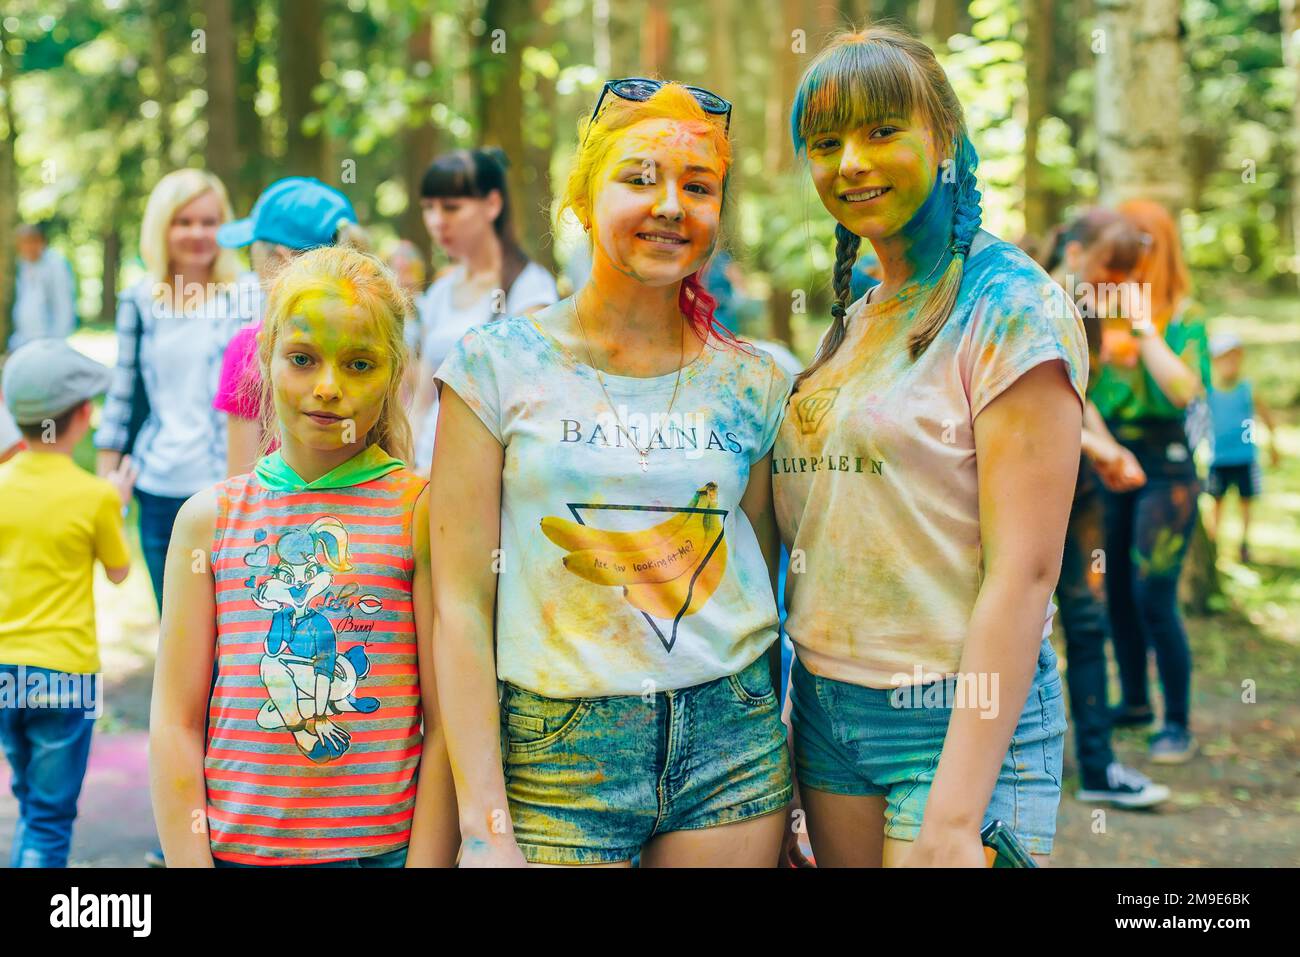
x,y
602,533
923,477
466,204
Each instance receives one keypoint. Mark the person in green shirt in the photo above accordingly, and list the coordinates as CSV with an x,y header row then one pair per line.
x,y
1154,362
1089,255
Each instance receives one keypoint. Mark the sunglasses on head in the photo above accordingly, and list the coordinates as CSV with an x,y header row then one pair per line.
x,y
640,89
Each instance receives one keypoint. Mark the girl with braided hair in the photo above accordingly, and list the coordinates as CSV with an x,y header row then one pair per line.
x,y
922,480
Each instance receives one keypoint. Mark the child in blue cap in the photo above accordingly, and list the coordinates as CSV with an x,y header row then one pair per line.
x,y
291,216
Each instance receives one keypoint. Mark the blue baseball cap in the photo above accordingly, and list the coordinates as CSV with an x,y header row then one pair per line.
x,y
298,212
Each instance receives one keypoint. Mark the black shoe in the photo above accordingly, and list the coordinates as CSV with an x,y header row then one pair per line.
x,y
1126,717
1126,788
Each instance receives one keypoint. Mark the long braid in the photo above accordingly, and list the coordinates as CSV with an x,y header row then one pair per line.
x,y
935,310
846,255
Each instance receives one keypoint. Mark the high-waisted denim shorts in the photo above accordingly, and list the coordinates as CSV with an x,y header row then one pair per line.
x,y
858,741
592,780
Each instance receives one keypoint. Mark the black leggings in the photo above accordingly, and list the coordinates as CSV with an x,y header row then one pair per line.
x,y
1147,532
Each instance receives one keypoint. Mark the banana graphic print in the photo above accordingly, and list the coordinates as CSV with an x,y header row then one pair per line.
x,y
667,571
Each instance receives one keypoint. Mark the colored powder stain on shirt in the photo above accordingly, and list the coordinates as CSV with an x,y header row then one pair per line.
x,y
893,550
620,575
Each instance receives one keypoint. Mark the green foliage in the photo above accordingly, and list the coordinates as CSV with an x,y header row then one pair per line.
x,y
111,94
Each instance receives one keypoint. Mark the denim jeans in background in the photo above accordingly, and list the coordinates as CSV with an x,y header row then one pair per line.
x,y
157,518
1081,597
47,749
1147,532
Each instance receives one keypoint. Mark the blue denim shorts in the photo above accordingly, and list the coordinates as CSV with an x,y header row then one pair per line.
x,y
854,740
592,780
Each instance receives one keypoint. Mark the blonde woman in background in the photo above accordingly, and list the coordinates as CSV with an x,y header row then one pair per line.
x,y
172,329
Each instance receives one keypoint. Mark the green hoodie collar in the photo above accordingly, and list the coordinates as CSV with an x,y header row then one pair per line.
x,y
366,466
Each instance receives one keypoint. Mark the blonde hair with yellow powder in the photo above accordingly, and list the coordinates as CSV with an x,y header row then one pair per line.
x,y
599,137
364,282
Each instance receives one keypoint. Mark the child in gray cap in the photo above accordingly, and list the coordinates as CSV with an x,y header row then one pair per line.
x,y
56,520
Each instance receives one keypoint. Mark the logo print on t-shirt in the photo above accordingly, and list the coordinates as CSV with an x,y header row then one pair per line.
x,y
666,571
301,648
813,408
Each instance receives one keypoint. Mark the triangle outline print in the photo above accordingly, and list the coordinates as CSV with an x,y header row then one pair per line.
x,y
669,641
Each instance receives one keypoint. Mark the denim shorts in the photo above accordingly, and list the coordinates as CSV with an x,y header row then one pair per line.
x,y
857,741
592,780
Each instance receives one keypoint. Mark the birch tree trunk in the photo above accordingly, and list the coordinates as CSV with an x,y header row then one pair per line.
x,y
1138,105
1291,56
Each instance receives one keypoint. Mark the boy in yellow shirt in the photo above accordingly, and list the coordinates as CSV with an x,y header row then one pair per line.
x,y
55,521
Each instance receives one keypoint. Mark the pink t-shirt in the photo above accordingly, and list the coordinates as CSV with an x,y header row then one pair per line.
x,y
874,473
240,387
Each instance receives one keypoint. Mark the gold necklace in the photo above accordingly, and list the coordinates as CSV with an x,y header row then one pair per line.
x,y
600,378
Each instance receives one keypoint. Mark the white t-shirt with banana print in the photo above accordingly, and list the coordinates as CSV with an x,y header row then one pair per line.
x,y
622,573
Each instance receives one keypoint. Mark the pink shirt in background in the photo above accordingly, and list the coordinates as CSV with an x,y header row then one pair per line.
x,y
240,387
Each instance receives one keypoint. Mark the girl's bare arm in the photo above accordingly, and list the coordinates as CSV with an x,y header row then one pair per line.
x,y
465,538
182,681
435,836
1027,447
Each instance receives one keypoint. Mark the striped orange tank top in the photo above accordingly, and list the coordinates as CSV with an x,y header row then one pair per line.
x,y
314,732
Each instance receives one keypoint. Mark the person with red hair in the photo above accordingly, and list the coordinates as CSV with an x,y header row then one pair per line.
x,y
1154,362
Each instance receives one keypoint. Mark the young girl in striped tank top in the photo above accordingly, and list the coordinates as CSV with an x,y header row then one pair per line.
x,y
309,580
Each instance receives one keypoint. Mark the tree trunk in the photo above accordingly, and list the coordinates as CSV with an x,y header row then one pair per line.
x,y
602,49
533,182
791,50
112,260
421,137
938,19
222,151
160,20
1038,57
8,188
500,96
1139,103
657,38
722,45
248,124
302,27
1291,55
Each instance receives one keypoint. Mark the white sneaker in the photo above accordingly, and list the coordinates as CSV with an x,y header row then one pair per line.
x,y
1126,788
